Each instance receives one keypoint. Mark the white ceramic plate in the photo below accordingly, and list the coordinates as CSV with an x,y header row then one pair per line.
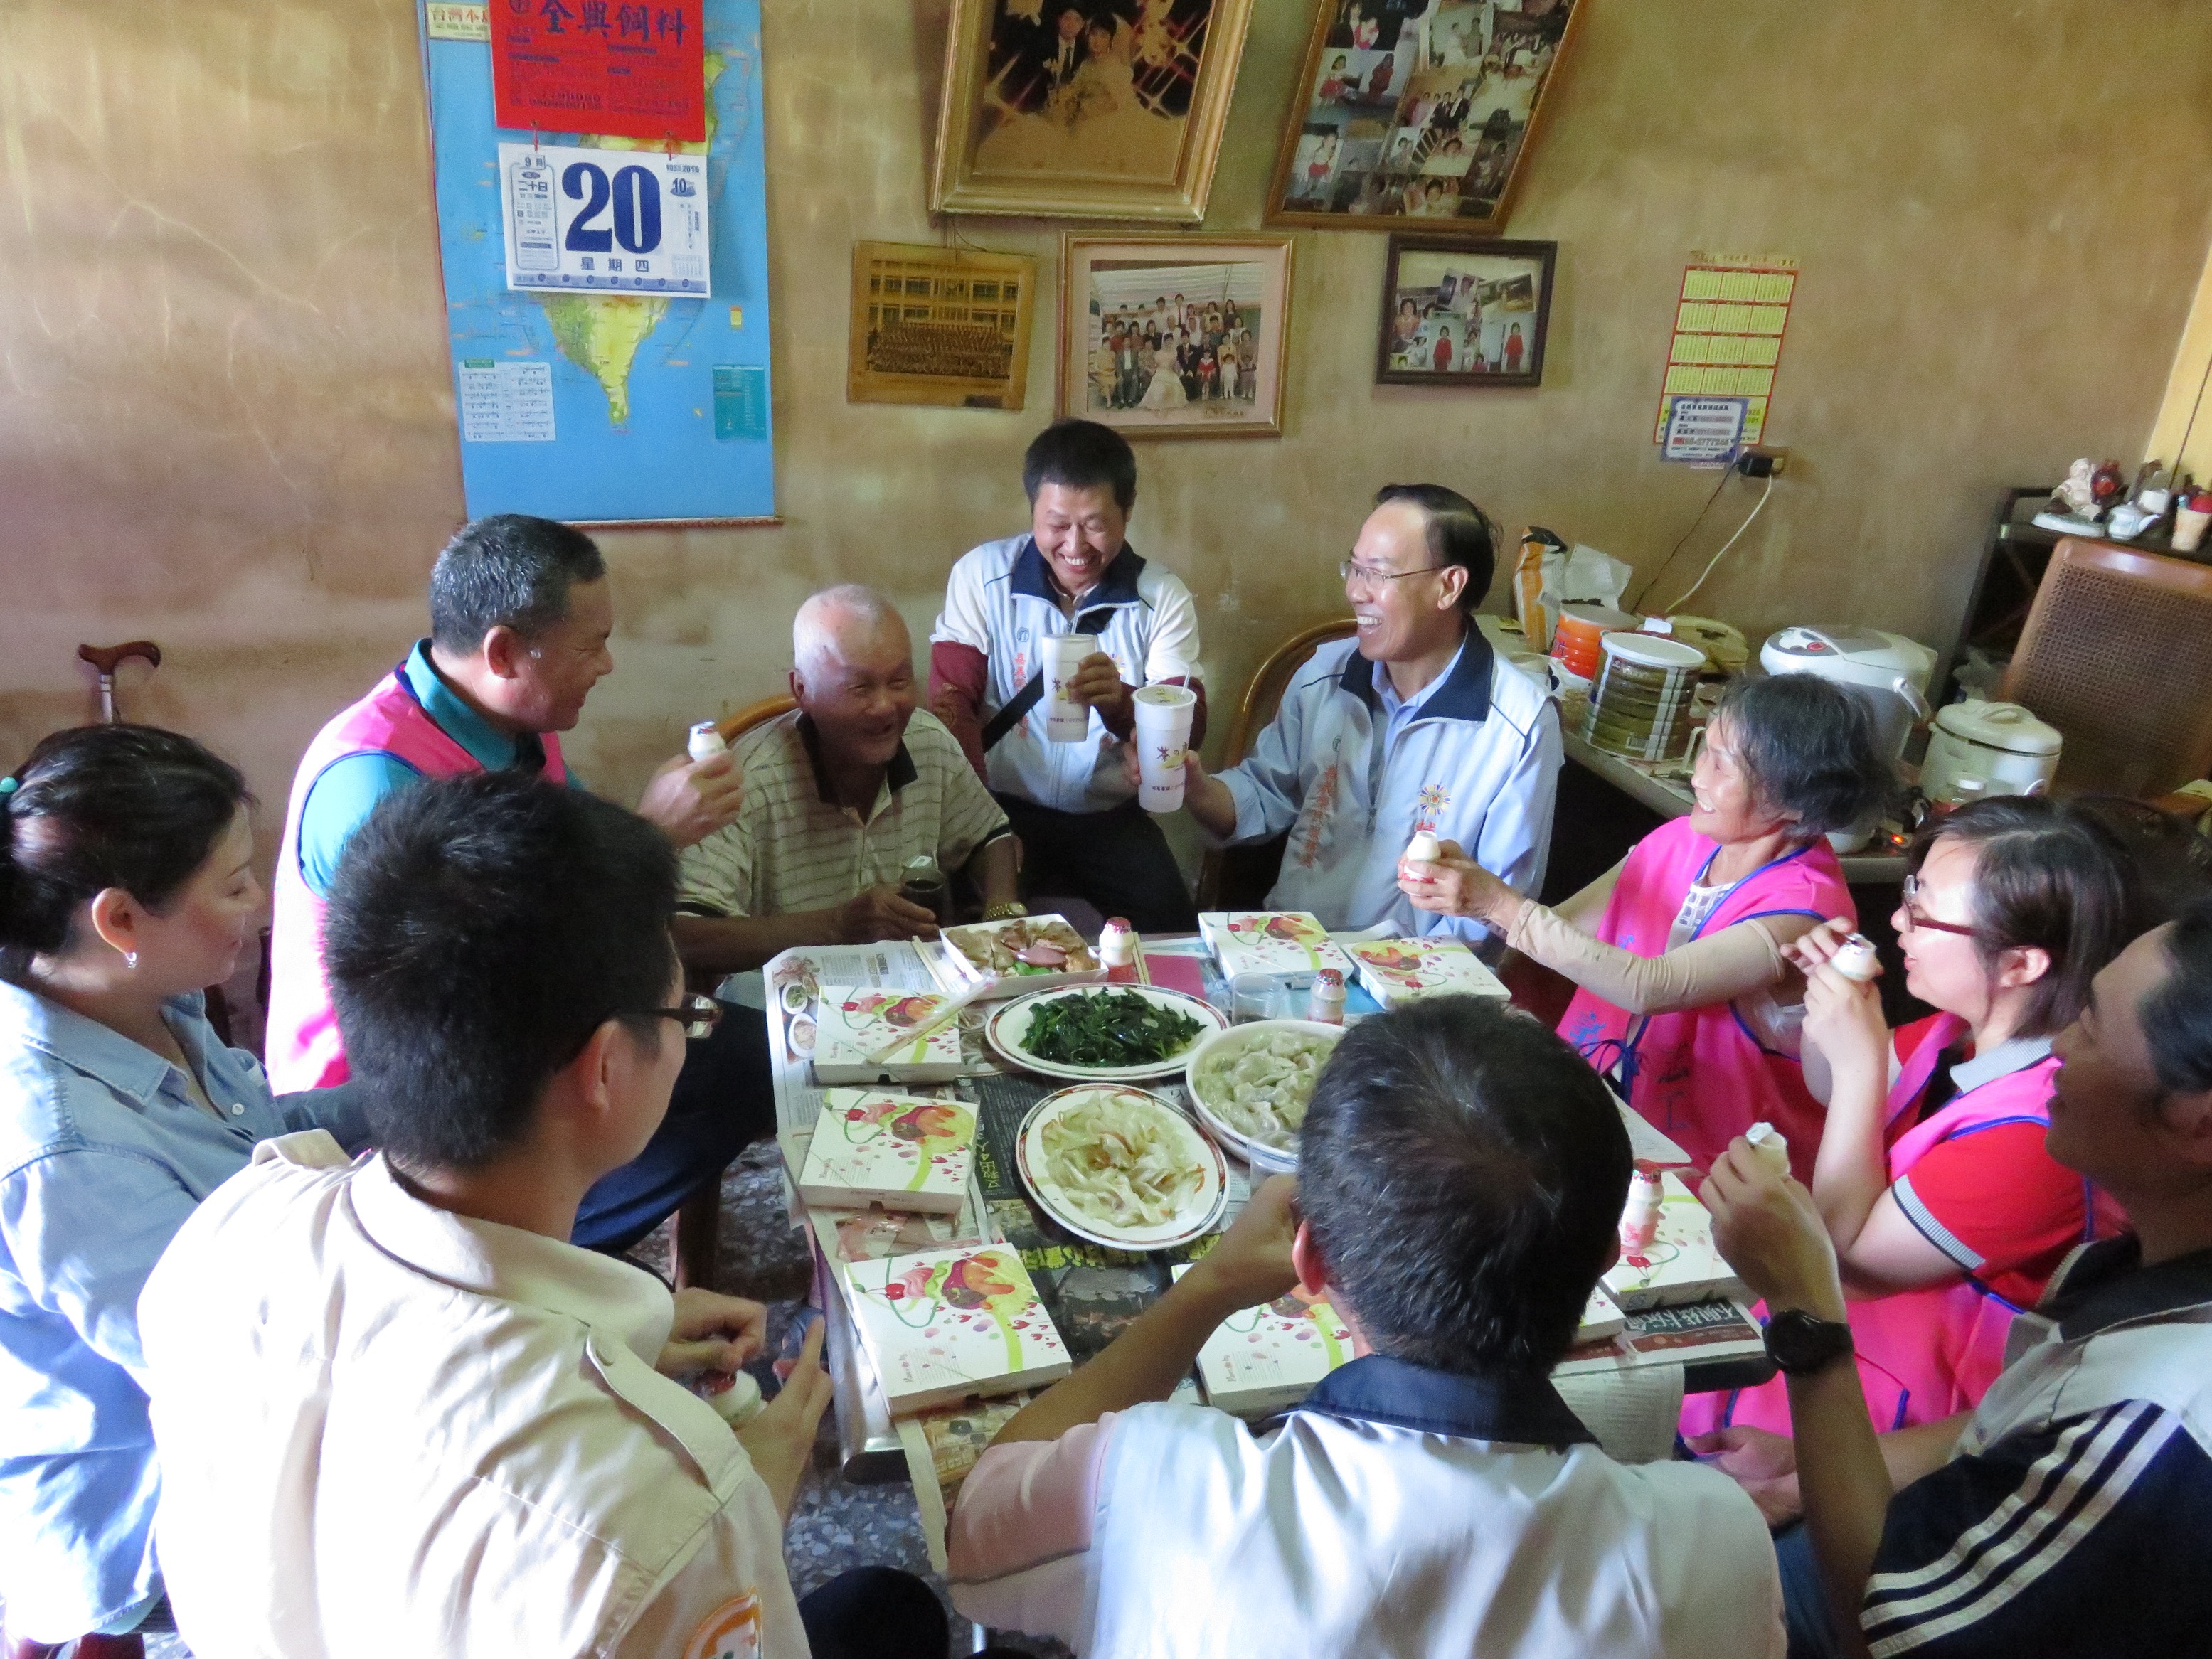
x,y
1263,1158
1199,1215
1009,1022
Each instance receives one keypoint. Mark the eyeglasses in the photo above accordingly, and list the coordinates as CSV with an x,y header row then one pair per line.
x,y
1915,918
697,1016
1370,579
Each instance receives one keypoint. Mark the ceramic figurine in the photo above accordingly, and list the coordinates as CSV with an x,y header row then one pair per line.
x,y
2076,494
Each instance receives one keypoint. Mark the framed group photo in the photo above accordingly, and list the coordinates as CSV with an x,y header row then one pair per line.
x,y
1175,337
1108,109
1460,312
1417,109
942,326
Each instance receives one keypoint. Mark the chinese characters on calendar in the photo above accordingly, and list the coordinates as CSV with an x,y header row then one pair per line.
x,y
604,221
1730,318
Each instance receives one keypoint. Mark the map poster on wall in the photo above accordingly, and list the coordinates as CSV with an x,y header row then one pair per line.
x,y
581,220
605,66
1729,322
609,408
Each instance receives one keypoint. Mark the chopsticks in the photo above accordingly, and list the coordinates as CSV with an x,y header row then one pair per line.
x,y
920,1033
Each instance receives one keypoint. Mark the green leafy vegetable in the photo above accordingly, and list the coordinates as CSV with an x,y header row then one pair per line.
x,y
1108,1028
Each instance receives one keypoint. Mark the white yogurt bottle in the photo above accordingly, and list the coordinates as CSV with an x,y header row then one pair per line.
x,y
705,741
1855,959
1771,1144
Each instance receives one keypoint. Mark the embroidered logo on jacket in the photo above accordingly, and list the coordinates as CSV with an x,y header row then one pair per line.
x,y
1307,839
1436,800
733,1631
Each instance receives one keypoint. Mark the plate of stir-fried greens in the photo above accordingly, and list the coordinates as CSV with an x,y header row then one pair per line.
x,y
1110,1033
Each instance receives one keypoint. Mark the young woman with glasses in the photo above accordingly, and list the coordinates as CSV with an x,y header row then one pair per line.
x,y
1946,1215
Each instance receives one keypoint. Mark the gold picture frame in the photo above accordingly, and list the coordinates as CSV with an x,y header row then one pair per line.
x,y
1417,114
1120,119
1175,337
941,326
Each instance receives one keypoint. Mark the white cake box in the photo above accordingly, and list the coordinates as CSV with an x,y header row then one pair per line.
x,y
902,1152
941,1326
1680,1264
1268,1358
1291,944
853,1022
1400,971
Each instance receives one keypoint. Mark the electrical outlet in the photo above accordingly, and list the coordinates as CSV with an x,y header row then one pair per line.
x,y
1762,461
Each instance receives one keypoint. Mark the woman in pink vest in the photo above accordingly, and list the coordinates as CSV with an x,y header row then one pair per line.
x,y
1947,1214
1678,949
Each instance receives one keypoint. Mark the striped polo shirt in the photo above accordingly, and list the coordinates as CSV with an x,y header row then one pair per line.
x,y
792,848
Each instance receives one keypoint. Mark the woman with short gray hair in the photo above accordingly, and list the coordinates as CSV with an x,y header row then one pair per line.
x,y
1676,952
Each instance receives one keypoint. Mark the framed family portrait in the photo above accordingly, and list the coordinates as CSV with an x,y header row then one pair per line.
x,y
1417,109
940,326
1459,313
1175,337
1108,109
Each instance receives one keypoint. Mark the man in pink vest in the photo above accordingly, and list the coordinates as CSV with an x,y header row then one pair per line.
x,y
519,616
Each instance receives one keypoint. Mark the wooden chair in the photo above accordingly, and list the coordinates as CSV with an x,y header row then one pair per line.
x,y
1239,878
2117,653
699,1218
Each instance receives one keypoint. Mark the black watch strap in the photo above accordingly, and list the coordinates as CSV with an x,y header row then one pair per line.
x,y
1800,1343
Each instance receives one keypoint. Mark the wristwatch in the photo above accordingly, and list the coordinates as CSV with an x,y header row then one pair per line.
x,y
1800,1344
1007,912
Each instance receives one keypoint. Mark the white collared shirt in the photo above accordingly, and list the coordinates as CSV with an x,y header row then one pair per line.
x,y
1002,601
387,1429
1399,1510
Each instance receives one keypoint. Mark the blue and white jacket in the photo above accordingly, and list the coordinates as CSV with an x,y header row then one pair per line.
x,y
1474,757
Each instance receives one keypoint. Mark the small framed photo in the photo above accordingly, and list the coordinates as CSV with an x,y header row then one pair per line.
x,y
1417,109
1085,109
1459,312
1175,337
940,326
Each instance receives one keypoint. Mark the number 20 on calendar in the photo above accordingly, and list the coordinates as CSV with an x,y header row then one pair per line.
x,y
604,221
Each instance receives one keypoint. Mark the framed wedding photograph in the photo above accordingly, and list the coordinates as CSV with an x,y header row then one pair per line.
x,y
1417,109
1108,109
1175,337
942,326
1460,312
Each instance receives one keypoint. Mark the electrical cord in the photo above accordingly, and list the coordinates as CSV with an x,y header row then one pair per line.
x,y
1652,580
1726,544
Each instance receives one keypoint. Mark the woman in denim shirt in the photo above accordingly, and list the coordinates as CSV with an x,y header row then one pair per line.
x,y
127,884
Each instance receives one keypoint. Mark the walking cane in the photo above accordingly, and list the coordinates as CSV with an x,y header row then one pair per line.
x,y
107,657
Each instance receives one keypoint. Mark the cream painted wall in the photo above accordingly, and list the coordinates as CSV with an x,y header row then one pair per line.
x,y
226,419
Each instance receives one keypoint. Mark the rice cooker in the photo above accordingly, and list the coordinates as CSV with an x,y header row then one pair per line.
x,y
1887,671
1978,749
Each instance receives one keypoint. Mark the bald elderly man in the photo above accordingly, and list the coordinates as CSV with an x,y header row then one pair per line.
x,y
839,795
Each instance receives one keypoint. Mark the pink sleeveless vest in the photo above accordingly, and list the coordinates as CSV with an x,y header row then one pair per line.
x,y
1927,1353
305,1050
1700,1077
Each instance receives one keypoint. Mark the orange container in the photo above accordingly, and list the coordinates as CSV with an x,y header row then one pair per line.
x,y
1577,642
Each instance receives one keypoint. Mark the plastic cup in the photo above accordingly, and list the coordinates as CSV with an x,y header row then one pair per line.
x,y
1164,716
1258,996
1065,720
2189,524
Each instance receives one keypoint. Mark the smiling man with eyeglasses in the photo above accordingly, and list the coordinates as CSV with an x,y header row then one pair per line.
x,y
1412,724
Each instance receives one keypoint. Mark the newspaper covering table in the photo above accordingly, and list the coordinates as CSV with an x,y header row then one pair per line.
x,y
1632,1383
